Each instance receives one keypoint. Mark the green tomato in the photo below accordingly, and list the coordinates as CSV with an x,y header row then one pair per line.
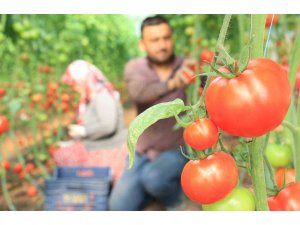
x,y
204,42
42,117
49,141
279,155
42,157
240,199
189,31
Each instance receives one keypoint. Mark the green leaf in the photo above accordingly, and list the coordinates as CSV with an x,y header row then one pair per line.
x,y
147,118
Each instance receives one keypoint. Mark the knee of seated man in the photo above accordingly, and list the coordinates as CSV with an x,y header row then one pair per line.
x,y
153,181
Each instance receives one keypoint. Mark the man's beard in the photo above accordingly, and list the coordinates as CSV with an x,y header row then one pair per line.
x,y
165,62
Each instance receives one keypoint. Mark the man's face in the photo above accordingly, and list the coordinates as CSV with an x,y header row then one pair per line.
x,y
157,42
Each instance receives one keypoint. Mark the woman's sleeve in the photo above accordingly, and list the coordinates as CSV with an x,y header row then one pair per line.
x,y
104,118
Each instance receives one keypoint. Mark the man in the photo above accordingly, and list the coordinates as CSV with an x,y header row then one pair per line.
x,y
158,164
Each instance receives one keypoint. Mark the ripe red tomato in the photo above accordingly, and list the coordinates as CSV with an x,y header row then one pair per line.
x,y
30,167
253,103
65,107
206,55
65,97
274,204
2,92
211,179
18,168
289,197
290,176
52,86
297,82
191,77
269,20
4,124
31,191
5,165
36,98
201,134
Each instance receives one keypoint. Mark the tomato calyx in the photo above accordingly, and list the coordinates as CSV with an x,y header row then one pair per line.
x,y
193,154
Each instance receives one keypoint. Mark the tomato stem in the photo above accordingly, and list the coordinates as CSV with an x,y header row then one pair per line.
x,y
181,122
220,41
256,153
296,136
230,61
258,174
257,32
5,192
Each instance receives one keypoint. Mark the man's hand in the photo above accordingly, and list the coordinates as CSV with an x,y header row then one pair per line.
x,y
181,77
76,131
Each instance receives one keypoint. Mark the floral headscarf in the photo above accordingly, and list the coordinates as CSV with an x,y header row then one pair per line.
x,y
91,79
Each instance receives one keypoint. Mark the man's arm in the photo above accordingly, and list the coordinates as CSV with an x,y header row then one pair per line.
x,y
144,90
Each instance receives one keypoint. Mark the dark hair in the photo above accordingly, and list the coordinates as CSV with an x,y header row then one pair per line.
x,y
153,20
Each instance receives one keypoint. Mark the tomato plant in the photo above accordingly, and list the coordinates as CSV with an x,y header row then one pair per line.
x,y
240,199
279,155
201,134
208,180
242,105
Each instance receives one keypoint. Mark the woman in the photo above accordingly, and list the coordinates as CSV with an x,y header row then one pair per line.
x,y
99,135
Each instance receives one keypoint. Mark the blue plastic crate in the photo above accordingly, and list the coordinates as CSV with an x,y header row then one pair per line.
x,y
83,172
78,188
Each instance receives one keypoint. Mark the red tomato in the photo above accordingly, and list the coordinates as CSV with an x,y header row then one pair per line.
x,y
201,134
2,92
36,98
31,191
5,165
253,103
289,197
191,77
269,20
18,168
211,179
206,55
297,83
30,167
45,69
4,124
274,204
52,86
65,107
65,97
290,176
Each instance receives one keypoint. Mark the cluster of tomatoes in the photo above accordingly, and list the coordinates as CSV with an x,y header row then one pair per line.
x,y
249,105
